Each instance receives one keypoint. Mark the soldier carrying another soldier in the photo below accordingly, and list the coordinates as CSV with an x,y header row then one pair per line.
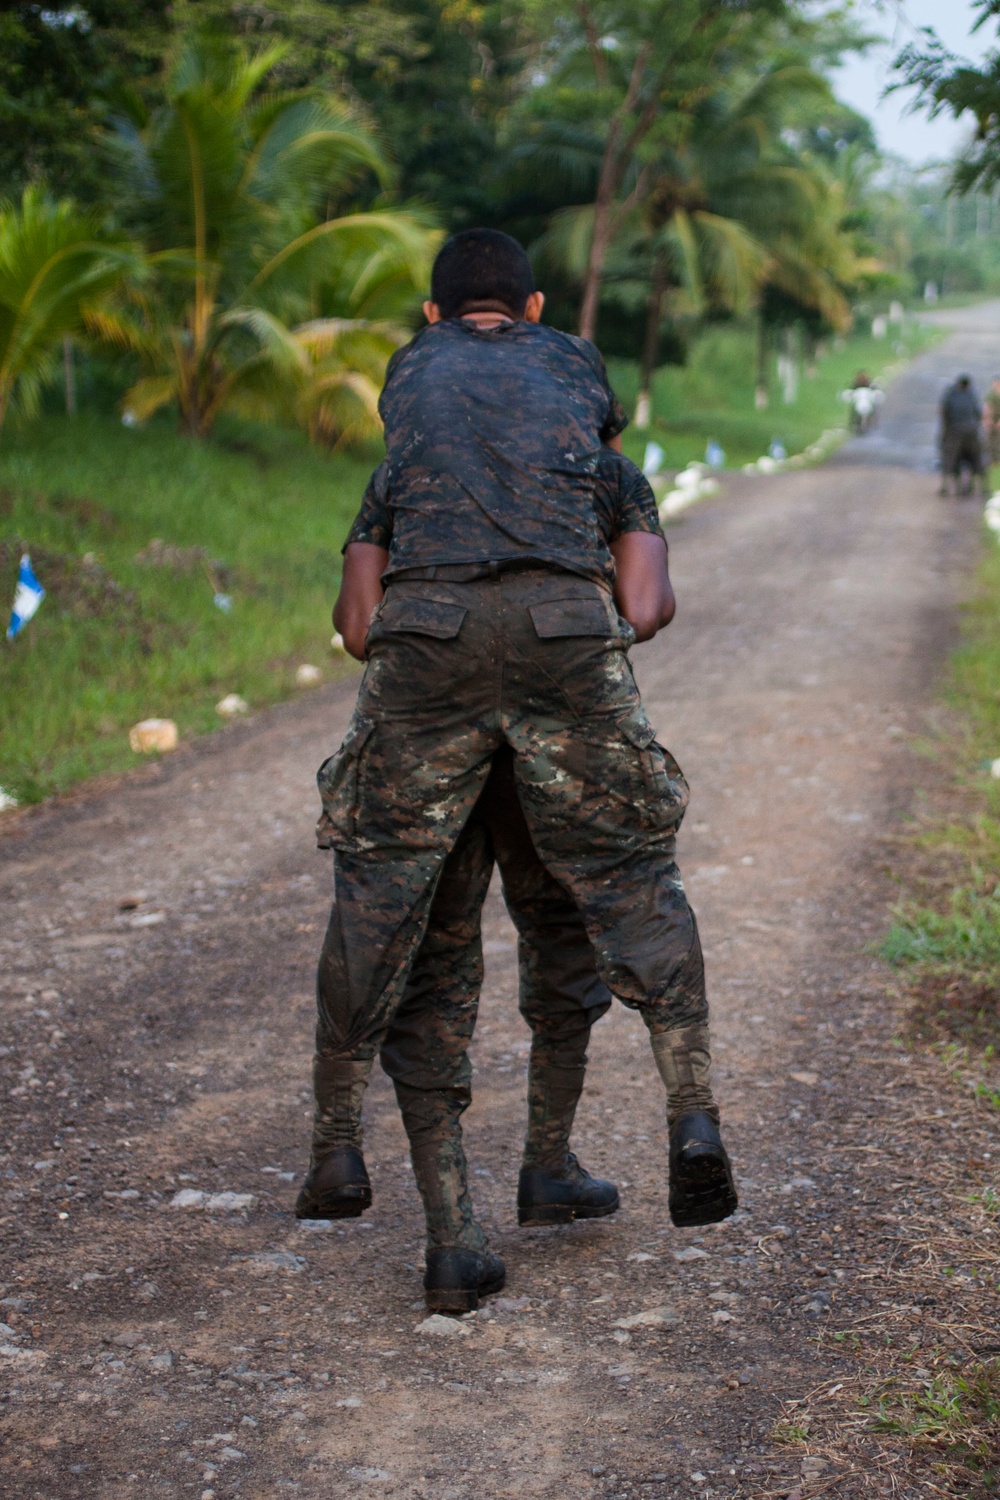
x,y
498,642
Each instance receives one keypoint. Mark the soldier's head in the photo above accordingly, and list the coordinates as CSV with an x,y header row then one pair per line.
x,y
483,271
963,382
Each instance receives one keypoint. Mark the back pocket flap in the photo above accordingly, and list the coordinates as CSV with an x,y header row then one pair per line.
x,y
637,729
564,617
422,617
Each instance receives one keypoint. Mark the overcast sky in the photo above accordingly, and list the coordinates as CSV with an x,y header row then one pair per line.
x,y
863,80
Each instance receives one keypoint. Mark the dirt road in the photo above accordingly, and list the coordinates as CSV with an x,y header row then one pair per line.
x,y
221,1349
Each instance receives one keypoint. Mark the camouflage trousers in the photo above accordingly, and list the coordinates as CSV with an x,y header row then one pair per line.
x,y
535,661
561,996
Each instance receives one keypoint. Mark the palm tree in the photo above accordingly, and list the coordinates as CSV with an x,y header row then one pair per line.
x,y
233,188
684,249
788,201
56,268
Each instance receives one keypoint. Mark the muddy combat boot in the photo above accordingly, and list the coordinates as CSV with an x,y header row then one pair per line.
x,y
456,1278
460,1269
336,1185
701,1177
553,1188
550,1195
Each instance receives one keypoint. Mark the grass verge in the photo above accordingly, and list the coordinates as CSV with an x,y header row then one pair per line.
x,y
946,935
129,630
712,397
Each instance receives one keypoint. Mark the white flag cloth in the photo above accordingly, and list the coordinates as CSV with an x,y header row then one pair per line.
x,y
27,597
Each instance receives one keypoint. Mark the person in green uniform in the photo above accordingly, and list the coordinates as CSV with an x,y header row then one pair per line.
x,y
504,627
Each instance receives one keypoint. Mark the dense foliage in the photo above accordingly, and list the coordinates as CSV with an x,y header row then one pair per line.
x,y
284,168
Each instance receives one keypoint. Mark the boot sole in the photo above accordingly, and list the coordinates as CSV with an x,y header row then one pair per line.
x,y
705,1194
443,1299
542,1214
341,1207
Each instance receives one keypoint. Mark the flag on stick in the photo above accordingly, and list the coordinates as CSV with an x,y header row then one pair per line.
x,y
27,597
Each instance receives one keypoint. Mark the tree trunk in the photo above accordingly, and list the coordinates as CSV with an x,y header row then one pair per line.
x,y
69,376
598,250
619,151
760,393
651,344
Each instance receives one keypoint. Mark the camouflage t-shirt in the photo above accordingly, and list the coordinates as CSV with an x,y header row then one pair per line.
x,y
492,445
620,499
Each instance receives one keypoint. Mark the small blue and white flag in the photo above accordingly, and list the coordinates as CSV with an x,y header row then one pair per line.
x,y
715,455
27,597
652,460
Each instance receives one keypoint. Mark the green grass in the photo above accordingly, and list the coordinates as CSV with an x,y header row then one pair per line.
x,y
117,640
713,395
965,936
952,1411
960,937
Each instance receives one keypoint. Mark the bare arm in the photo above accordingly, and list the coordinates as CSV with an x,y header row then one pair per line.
x,y
360,593
643,592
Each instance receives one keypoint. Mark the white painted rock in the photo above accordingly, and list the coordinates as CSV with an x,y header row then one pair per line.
x,y
308,675
337,642
153,734
7,801
231,706
995,768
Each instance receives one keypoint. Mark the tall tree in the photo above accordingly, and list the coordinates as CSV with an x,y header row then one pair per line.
x,y
60,65
647,65
950,84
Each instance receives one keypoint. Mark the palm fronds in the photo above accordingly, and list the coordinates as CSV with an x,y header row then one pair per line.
x,y
55,270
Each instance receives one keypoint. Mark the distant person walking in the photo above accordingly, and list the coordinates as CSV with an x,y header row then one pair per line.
x,y
961,437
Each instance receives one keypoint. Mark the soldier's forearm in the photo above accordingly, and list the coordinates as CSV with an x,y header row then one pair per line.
x,y
360,594
643,590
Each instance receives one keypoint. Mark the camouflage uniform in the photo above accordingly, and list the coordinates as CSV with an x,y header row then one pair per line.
x,y
497,632
561,996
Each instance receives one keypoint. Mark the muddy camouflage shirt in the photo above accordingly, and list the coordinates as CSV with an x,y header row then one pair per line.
x,y
620,501
493,445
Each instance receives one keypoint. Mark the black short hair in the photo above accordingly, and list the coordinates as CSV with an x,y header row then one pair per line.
x,y
481,270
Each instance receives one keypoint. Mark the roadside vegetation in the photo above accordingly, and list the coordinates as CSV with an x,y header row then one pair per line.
x,y
132,534
711,398
946,936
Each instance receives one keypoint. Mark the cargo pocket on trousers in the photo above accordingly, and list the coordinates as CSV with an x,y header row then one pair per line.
x,y
556,619
337,779
664,791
